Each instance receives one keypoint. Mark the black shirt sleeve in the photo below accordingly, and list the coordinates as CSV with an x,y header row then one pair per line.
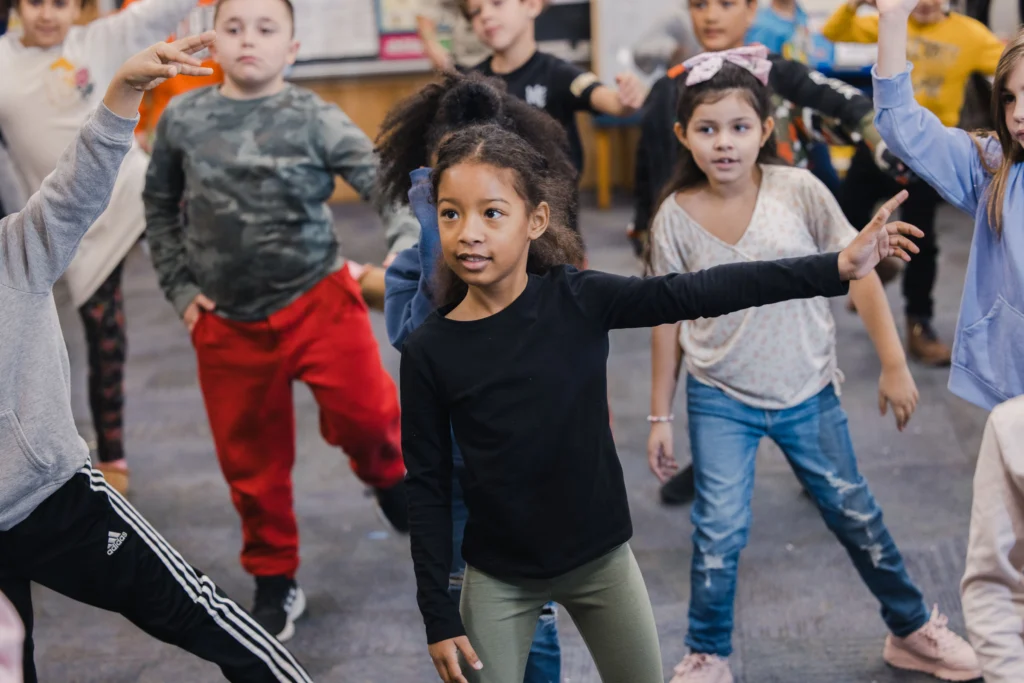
x,y
427,449
572,85
620,302
804,87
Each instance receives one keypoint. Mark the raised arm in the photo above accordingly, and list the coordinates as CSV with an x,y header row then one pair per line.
x,y
618,302
812,89
946,158
844,26
427,448
349,153
992,589
40,240
407,296
621,302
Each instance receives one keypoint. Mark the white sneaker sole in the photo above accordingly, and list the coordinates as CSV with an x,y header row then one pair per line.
x,y
297,610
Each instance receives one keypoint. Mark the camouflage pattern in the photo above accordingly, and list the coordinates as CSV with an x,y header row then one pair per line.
x,y
236,198
796,128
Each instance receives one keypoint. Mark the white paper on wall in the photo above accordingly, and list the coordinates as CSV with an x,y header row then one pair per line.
x,y
336,29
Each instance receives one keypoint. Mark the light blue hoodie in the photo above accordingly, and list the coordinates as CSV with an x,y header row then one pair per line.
x,y
988,350
407,301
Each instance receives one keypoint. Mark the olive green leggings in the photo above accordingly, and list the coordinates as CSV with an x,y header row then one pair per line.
x,y
606,598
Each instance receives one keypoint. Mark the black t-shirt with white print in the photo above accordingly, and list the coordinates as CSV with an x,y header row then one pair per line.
x,y
554,85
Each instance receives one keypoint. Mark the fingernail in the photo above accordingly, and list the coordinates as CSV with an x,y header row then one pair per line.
x,y
478,666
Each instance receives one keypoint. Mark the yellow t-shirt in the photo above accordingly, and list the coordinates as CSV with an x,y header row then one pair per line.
x,y
944,54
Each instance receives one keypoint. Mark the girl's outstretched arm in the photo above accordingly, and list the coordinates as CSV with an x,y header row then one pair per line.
x,y
946,158
621,302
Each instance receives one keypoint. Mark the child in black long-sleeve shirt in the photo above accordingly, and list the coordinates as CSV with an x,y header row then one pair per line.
x,y
514,364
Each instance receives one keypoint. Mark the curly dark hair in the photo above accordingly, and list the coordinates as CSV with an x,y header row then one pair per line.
x,y
413,129
537,179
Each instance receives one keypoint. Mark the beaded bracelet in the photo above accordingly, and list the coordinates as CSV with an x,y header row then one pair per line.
x,y
660,418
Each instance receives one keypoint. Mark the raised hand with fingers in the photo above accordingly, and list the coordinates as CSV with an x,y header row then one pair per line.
x,y
445,655
151,67
878,240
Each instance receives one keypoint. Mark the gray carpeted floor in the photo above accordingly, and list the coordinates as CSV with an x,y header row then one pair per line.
x,y
802,615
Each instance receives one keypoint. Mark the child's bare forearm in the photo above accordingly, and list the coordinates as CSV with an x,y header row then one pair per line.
x,y
892,44
869,297
666,361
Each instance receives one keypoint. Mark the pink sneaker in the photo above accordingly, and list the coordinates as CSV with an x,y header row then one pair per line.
x,y
702,668
933,649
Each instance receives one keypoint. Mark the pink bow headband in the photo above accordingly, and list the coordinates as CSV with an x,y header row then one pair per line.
x,y
753,58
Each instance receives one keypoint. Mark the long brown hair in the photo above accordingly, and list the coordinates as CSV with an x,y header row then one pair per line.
x,y
1012,151
536,179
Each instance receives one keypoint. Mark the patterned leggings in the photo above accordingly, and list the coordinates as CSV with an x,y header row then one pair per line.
x,y
103,318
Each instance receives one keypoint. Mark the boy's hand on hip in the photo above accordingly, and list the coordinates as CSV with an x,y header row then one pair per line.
x,y
445,655
195,311
878,240
151,67
896,387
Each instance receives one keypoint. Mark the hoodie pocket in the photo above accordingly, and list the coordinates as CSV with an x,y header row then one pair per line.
x,y
22,470
991,349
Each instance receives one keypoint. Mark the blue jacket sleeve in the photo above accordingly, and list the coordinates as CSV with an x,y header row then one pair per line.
x,y
946,158
407,296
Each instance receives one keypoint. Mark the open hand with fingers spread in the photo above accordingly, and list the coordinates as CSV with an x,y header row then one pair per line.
x,y
878,240
151,67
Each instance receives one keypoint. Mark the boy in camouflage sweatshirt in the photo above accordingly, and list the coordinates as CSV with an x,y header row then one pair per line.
x,y
253,268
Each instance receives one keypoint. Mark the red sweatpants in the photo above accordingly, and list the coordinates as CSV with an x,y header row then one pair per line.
x,y
246,370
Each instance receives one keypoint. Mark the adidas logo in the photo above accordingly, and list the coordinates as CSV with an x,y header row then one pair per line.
x,y
114,541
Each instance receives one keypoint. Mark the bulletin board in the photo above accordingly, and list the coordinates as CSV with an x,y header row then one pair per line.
x,y
336,29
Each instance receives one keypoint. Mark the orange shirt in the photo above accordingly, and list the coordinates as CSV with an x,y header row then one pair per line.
x,y
156,100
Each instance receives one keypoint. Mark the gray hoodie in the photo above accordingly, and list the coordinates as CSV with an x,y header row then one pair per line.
x,y
40,448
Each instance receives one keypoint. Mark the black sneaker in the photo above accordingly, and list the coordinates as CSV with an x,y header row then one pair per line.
x,y
279,602
680,489
393,506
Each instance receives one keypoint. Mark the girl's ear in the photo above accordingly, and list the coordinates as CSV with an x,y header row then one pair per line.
x,y
539,220
767,129
681,134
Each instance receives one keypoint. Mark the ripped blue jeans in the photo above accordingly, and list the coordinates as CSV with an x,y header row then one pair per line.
x,y
545,662
815,438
